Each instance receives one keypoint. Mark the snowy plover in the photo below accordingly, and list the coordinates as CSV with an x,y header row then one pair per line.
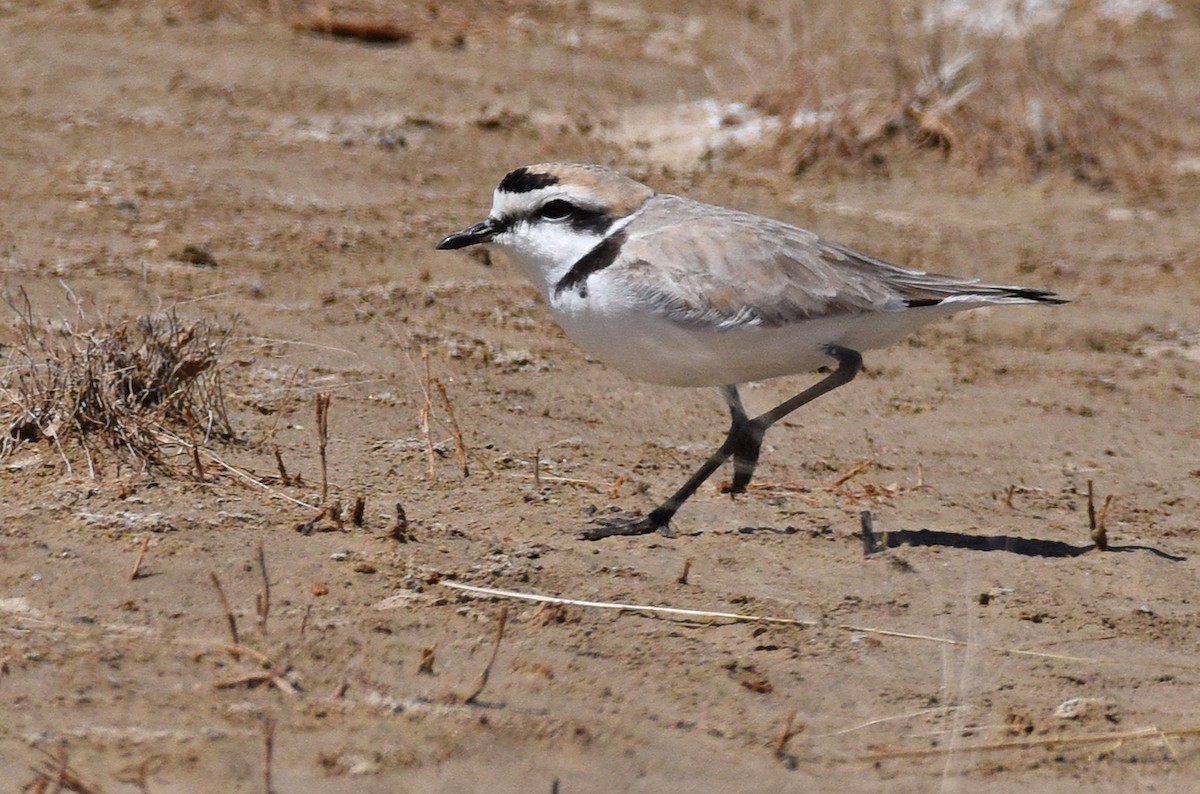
x,y
673,291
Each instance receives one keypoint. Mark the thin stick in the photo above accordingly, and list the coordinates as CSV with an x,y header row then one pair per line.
x,y
196,461
501,621
687,568
425,667
787,733
229,616
235,471
854,472
1102,515
1017,744
426,410
322,400
733,616
537,469
1100,533
1091,509
691,613
268,750
261,677
399,531
284,479
360,507
460,445
239,649
615,490
263,602
560,480
141,555
270,435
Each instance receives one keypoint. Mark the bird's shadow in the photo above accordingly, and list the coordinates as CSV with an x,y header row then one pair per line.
x,y
874,542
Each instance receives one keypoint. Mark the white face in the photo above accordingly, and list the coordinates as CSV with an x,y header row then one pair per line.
x,y
548,230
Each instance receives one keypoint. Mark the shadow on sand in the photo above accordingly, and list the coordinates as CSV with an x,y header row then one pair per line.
x,y
1030,547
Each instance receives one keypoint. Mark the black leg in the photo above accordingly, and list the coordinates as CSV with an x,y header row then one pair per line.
x,y
742,443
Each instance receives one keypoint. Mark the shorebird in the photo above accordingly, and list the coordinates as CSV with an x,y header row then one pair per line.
x,y
678,292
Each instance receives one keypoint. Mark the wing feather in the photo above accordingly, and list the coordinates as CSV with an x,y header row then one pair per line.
x,y
699,264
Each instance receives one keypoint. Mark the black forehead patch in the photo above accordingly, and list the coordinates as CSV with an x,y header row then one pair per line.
x,y
523,180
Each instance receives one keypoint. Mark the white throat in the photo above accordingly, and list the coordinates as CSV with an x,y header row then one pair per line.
x,y
545,251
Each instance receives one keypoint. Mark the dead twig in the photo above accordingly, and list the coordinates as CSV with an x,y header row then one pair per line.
x,y
460,445
262,601
229,616
366,30
1051,743
54,774
854,472
790,729
268,750
284,479
304,620
141,555
615,489
196,464
425,667
238,473
501,621
262,658
322,404
426,412
356,514
697,614
139,775
1100,533
332,511
399,531
252,680
687,568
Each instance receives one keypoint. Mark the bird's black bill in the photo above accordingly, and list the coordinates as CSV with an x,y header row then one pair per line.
x,y
472,235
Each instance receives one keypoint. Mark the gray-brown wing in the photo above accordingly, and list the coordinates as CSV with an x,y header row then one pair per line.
x,y
700,264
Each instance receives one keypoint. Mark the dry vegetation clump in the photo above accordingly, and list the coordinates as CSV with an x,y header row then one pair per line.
x,y
1105,99
137,389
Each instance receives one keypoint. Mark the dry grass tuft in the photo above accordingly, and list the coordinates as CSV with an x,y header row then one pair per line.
x,y
1097,98
131,389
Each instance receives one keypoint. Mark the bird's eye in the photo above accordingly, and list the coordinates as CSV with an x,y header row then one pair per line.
x,y
556,210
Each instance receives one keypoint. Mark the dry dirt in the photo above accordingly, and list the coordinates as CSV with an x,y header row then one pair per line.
x,y
318,174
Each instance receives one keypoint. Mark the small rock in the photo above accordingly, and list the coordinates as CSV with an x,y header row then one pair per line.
x,y
198,255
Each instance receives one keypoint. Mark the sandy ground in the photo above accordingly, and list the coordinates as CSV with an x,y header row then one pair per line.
x,y
319,174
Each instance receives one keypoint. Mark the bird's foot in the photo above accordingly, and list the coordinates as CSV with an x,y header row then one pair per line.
x,y
613,526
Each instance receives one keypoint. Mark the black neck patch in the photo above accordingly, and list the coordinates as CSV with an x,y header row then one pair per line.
x,y
523,180
593,261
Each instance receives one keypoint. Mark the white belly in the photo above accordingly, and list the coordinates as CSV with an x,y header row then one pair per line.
x,y
651,348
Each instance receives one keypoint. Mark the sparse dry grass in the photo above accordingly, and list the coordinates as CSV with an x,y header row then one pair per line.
x,y
113,387
1095,97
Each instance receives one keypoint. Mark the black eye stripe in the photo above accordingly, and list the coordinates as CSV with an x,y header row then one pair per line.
x,y
557,209
591,221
